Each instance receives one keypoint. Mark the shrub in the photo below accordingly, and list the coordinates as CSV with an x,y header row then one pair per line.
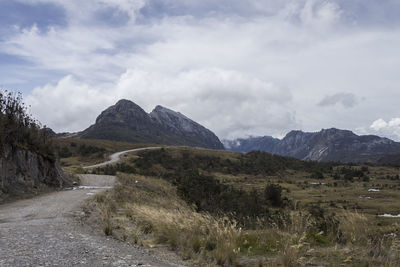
x,y
317,175
273,194
19,130
64,152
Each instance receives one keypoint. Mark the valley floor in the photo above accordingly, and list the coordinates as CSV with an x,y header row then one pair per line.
x,y
44,231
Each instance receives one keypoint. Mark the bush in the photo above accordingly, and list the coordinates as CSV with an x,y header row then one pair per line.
x,y
273,194
64,152
208,194
317,175
19,130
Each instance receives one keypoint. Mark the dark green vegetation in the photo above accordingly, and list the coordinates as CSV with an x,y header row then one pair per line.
x,y
256,208
255,163
126,121
192,174
28,163
19,130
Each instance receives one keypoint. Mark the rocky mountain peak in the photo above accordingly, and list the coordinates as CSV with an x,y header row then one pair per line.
x,y
178,123
166,113
174,120
335,133
126,121
326,145
124,111
160,108
125,105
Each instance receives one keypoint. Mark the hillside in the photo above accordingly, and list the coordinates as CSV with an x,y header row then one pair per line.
x,y
126,121
326,145
27,161
256,209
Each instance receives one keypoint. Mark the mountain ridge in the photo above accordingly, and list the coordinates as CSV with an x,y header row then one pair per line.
x,y
326,145
127,121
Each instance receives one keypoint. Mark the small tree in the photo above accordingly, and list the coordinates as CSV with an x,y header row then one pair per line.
x,y
18,129
273,194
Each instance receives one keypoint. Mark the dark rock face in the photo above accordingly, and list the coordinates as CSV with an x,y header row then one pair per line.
x,y
126,121
124,113
189,130
23,171
391,160
329,145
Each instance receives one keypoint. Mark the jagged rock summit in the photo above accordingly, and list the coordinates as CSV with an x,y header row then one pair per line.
x,y
126,121
183,126
327,145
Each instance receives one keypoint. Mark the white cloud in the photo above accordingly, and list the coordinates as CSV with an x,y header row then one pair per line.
x,y
229,102
68,105
389,129
238,67
378,125
320,14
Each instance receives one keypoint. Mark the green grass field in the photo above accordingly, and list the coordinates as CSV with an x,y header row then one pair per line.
x,y
327,217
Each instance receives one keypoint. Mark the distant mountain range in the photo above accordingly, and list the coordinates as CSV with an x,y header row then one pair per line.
x,y
326,145
126,121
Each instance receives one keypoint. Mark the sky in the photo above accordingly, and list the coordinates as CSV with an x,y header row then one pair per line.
x,y
238,67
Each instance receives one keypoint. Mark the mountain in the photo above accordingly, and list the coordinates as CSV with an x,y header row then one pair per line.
x,y
326,145
243,145
126,121
181,125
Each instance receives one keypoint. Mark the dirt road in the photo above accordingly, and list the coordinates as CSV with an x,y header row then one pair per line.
x,y
44,231
116,156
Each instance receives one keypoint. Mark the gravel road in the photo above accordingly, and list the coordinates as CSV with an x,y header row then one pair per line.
x,y
44,231
116,156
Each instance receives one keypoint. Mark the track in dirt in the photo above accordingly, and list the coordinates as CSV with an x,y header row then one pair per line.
x,y
116,157
43,231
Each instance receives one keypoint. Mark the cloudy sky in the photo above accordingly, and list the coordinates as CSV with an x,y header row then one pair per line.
x,y
239,67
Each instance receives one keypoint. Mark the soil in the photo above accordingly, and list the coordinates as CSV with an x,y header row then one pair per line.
x,y
45,231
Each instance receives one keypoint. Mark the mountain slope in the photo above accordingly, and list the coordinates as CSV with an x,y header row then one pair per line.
x,y
126,121
326,145
181,125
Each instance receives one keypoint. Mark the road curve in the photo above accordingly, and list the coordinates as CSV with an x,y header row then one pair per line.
x,y
116,156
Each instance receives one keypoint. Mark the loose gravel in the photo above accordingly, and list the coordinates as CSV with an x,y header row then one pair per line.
x,y
44,231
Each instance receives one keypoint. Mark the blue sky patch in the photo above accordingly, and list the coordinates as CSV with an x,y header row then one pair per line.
x,y
25,15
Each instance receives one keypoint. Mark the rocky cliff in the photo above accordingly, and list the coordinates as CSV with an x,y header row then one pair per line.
x,y
326,145
188,129
23,172
126,121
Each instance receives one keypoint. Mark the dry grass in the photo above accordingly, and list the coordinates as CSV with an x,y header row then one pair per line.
x,y
112,146
148,211
158,216
75,161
